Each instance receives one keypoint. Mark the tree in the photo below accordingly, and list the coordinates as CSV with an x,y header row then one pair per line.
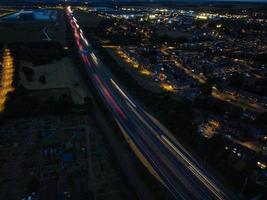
x,y
89,195
206,89
33,185
28,72
262,118
88,103
42,79
153,59
236,80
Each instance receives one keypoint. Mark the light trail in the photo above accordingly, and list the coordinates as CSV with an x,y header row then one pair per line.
x,y
108,96
94,58
211,186
122,93
172,163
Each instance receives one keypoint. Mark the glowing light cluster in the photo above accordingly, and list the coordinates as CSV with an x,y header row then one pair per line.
x,y
261,165
167,87
202,17
6,78
128,59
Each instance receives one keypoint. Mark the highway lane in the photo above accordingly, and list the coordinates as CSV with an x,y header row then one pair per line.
x,y
147,120
134,127
180,173
104,91
109,97
131,104
166,138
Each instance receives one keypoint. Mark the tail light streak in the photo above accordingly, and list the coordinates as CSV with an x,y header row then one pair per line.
x,y
110,99
94,58
122,93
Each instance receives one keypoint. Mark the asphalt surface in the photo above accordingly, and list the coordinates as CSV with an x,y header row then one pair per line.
x,y
181,174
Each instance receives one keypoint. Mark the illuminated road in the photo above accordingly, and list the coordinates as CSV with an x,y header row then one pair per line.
x,y
167,160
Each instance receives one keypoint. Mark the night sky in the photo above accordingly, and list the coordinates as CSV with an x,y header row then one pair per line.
x,y
130,0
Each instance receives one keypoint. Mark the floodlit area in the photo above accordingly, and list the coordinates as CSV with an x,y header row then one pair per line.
x,y
6,78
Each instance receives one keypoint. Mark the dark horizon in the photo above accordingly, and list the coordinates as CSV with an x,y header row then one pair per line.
x,y
131,1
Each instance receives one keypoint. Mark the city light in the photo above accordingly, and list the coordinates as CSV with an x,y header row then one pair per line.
x,y
128,59
6,78
261,165
167,87
202,17
145,72
152,16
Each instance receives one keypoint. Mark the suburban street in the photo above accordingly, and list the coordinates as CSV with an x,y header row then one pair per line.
x,y
164,156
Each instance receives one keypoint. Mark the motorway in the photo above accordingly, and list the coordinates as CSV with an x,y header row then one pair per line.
x,y
178,171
